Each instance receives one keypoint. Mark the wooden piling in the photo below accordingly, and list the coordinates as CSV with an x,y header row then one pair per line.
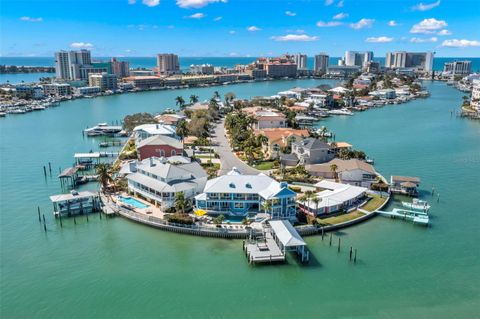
x,y
74,220
44,170
350,253
50,167
60,218
323,233
44,224
330,239
338,244
355,258
39,218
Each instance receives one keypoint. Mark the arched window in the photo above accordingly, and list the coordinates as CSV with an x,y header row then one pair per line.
x,y
174,152
162,153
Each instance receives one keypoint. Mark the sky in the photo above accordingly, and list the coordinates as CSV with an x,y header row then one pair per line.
x,y
451,28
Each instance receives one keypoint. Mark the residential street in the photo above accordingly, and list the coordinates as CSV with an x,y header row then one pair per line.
x,y
228,160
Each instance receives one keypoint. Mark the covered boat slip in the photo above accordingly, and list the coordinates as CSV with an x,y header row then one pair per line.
x,y
75,203
279,238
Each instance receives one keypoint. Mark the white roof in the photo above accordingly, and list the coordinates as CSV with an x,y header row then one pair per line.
x,y
335,194
339,89
87,155
286,233
156,129
160,140
70,196
235,182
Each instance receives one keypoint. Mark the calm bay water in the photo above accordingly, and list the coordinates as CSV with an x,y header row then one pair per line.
x,y
185,62
115,268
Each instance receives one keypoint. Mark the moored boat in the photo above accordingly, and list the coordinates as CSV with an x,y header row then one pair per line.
x,y
417,204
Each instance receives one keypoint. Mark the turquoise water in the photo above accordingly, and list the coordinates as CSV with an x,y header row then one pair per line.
x,y
116,268
133,202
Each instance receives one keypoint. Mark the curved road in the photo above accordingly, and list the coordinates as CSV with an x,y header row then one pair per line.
x,y
228,160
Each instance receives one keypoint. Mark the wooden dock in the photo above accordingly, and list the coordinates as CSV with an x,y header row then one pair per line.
x,y
263,250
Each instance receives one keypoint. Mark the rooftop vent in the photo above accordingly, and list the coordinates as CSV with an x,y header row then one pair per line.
x,y
248,185
231,185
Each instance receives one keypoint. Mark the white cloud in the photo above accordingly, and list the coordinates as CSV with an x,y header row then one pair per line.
x,y
340,4
455,43
290,13
253,28
423,40
392,23
322,24
151,3
196,16
232,32
295,37
428,26
444,32
340,16
218,19
378,39
328,2
30,19
363,23
425,7
81,45
132,1
196,3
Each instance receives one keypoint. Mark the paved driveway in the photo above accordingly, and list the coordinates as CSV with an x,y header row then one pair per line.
x,y
228,160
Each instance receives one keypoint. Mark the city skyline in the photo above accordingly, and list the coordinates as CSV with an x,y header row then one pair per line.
x,y
194,28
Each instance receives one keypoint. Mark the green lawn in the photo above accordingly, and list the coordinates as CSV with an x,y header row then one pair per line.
x,y
340,218
212,156
374,203
265,165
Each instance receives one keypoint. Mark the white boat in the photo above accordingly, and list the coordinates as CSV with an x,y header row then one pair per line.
x,y
102,129
3,114
38,107
340,112
417,204
17,111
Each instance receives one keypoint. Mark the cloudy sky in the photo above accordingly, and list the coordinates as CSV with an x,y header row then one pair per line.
x,y
239,27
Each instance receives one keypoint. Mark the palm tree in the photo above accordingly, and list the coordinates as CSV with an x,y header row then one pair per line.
x,y
103,173
179,101
333,169
266,206
182,129
193,99
180,202
216,95
316,201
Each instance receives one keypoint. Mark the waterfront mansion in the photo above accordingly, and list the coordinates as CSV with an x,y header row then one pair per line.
x,y
244,195
160,179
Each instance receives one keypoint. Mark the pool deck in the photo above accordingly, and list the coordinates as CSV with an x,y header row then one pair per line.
x,y
150,210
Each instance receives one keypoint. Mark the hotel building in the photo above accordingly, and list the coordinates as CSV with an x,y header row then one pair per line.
x,y
168,64
320,63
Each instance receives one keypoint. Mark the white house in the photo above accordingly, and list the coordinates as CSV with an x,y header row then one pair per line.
x,y
146,130
159,180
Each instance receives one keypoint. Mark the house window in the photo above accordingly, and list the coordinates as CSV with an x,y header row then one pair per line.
x,y
174,152
162,153
238,205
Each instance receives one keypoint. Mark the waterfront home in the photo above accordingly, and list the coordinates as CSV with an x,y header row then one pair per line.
x,y
290,94
353,171
159,180
320,99
404,184
387,94
279,138
159,146
339,90
333,197
312,151
245,195
266,118
337,146
146,130
169,119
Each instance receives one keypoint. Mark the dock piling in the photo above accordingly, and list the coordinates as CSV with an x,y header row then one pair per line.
x,y
355,257
323,233
438,198
44,171
44,224
330,239
39,219
60,218
350,253
338,244
74,220
50,167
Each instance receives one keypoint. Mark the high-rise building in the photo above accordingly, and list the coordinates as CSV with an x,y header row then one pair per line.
x,y
69,63
358,58
320,63
120,68
300,60
168,64
458,67
422,61
202,69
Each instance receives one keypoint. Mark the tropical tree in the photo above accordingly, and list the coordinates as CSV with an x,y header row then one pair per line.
x,y
316,201
180,202
193,99
182,129
216,95
179,101
103,175
267,206
333,169
229,97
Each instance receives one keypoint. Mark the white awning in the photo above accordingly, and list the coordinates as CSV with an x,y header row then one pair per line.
x,y
286,233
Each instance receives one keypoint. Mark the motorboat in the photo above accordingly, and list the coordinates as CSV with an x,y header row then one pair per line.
x,y
340,112
417,204
102,129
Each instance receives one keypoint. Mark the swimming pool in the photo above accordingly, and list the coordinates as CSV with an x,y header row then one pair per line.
x,y
133,202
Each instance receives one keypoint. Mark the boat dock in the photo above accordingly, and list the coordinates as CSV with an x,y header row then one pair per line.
x,y
277,239
414,216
